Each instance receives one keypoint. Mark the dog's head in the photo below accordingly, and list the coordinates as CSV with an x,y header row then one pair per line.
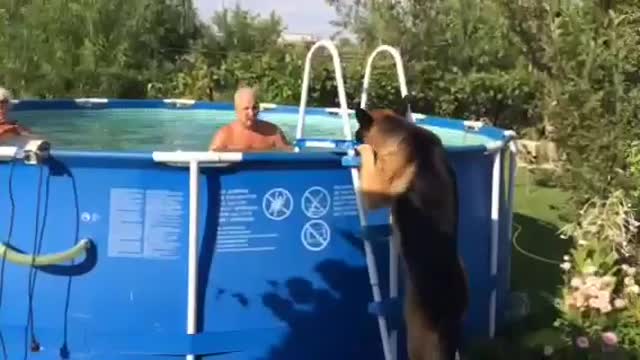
x,y
381,127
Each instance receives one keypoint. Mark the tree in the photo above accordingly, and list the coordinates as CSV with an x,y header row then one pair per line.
x,y
58,48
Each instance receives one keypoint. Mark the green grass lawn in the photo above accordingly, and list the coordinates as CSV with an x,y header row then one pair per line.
x,y
536,222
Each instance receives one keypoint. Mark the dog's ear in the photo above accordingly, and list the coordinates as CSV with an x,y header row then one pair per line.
x,y
363,117
355,104
404,106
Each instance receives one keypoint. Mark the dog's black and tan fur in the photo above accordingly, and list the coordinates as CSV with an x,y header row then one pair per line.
x,y
405,167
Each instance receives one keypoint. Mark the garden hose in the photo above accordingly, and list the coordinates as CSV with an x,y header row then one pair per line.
x,y
523,251
43,260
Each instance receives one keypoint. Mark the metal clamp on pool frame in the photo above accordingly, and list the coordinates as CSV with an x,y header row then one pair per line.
x,y
31,151
352,160
35,151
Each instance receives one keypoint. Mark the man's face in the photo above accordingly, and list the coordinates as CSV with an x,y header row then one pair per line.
x,y
4,108
247,110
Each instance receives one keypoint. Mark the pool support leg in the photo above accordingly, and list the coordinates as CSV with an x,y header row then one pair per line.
x,y
513,166
393,288
495,213
372,269
192,301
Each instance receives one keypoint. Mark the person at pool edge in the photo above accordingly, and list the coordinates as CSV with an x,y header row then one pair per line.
x,y
248,132
8,129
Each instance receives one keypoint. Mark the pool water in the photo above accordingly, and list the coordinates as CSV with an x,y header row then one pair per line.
x,y
169,130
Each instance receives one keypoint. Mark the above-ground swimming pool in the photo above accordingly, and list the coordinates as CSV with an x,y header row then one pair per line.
x,y
153,126
281,266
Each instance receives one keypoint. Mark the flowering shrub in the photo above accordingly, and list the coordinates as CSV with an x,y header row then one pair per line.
x,y
600,302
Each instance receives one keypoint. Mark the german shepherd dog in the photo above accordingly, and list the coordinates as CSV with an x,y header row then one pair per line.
x,y
405,167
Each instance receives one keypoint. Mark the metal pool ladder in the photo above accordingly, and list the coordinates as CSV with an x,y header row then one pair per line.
x,y
344,112
393,252
399,69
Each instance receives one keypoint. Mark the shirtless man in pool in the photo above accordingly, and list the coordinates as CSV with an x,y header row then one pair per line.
x,y
247,132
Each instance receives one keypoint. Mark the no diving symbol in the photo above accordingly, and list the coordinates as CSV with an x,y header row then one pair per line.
x,y
315,235
315,202
277,204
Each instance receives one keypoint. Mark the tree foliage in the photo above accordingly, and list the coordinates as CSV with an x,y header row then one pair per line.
x,y
59,48
586,61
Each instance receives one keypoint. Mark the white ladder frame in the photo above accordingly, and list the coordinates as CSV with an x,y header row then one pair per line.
x,y
342,96
393,251
402,80
344,112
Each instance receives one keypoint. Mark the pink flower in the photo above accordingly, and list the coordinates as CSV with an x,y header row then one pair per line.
x,y
582,342
619,303
610,338
576,282
629,281
605,308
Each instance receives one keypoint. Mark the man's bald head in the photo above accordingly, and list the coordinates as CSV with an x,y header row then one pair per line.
x,y
246,105
245,92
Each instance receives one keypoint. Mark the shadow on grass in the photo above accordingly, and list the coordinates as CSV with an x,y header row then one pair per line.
x,y
539,239
537,254
537,274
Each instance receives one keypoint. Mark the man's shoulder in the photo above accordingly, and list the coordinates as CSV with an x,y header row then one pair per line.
x,y
225,130
268,128
225,127
221,138
267,123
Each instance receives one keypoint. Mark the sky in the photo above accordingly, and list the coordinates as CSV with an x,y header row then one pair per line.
x,y
300,16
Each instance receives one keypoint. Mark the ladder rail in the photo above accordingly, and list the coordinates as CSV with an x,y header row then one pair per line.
x,y
393,252
372,266
342,96
402,80
346,126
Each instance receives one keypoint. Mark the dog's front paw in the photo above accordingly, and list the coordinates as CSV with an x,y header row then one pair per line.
x,y
366,154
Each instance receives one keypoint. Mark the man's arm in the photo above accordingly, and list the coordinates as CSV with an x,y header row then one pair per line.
x,y
282,142
24,130
219,141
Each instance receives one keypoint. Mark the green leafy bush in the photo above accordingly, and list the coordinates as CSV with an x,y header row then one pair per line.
x,y
601,299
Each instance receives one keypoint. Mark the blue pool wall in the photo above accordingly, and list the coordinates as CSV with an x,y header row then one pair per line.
x,y
278,301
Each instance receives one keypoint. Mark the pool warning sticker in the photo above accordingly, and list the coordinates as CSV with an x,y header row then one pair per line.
x,y
277,204
145,223
316,202
241,228
315,235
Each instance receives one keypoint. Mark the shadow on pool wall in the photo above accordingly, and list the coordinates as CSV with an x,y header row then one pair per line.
x,y
323,315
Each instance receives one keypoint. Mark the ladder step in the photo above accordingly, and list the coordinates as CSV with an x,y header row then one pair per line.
x,y
378,233
391,309
351,161
341,145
